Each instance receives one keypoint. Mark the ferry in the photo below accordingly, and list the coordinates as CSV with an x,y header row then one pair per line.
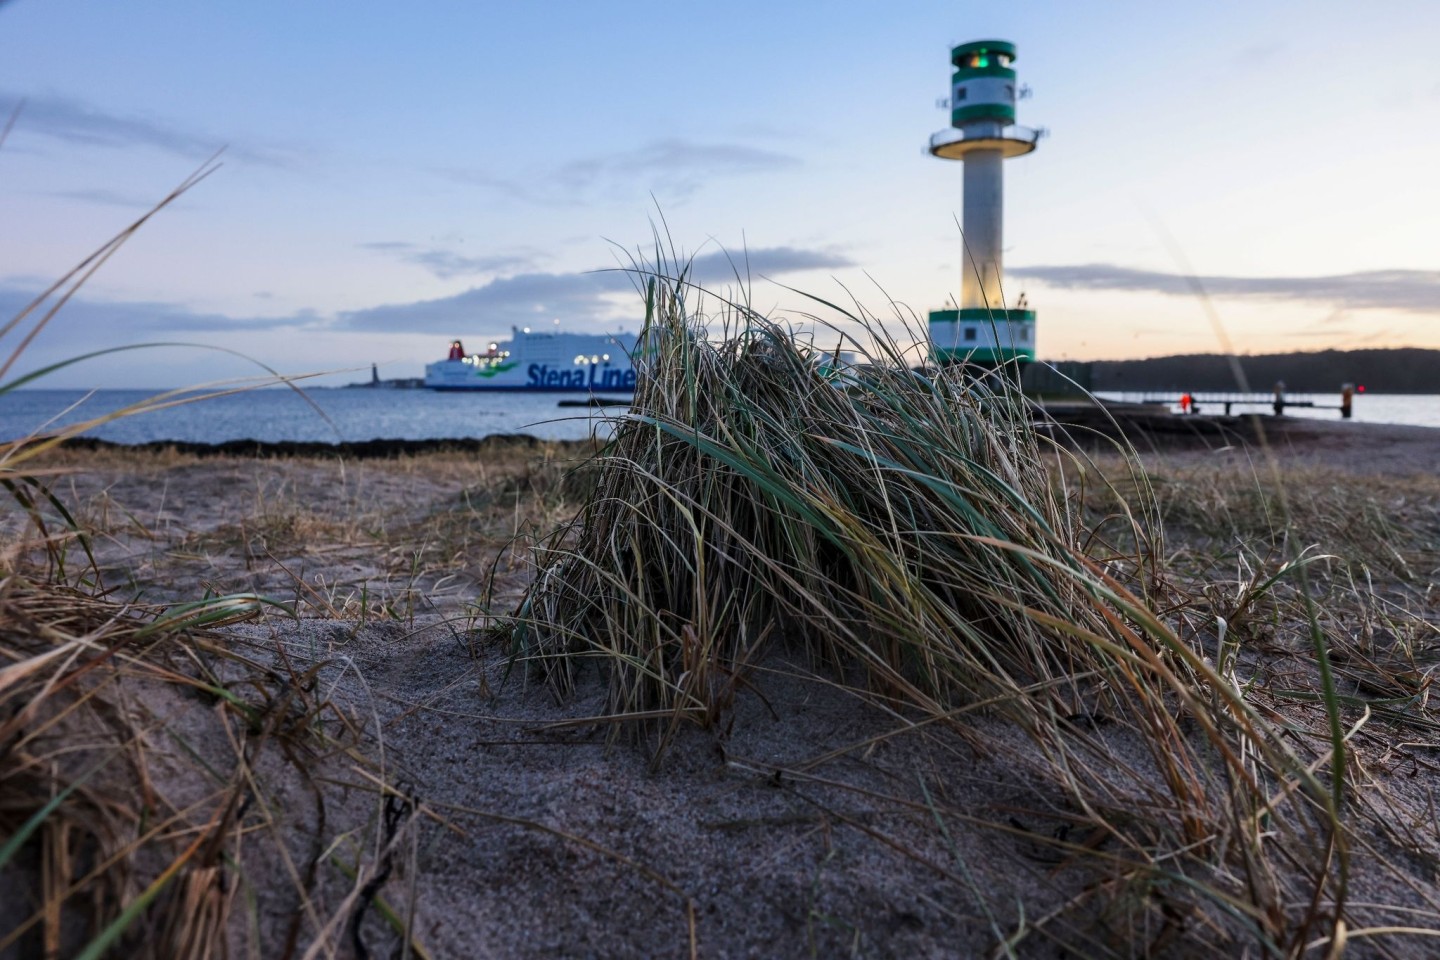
x,y
540,360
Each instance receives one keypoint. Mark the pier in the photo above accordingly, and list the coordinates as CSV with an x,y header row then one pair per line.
x,y
1277,401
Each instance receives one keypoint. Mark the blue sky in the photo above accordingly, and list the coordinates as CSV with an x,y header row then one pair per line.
x,y
396,175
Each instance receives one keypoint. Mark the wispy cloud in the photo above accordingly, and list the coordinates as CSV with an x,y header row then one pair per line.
x,y
84,320
1257,54
599,298
575,298
723,266
107,198
75,122
447,264
524,299
672,168
1417,291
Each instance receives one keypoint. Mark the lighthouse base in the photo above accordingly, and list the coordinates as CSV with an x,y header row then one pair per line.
x,y
982,336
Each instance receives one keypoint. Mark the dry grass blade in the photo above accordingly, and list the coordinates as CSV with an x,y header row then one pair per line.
x,y
71,282
10,123
138,828
64,749
901,528
127,824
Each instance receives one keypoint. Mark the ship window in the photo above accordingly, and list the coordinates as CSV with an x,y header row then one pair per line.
x,y
960,93
969,333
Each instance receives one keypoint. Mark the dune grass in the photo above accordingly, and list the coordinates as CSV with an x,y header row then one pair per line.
x,y
1151,635
913,536
136,742
1218,560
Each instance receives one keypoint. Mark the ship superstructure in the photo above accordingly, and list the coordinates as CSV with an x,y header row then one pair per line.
x,y
540,360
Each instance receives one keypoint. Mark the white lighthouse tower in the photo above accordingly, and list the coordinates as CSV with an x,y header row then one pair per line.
x,y
985,329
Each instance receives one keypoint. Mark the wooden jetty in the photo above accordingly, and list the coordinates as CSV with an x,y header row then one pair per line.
x,y
1277,401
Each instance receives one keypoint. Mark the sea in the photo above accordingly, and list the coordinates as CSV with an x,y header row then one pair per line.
x,y
1416,410
350,414
323,415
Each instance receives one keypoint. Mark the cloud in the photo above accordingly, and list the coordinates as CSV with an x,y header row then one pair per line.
x,y
107,198
75,122
85,321
1385,334
1417,291
523,299
720,266
597,297
1258,54
672,168
575,298
447,264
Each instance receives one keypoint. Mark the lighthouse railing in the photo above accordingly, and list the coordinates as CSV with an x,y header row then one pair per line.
x,y
989,132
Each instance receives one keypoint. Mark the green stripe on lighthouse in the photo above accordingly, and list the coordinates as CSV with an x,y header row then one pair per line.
x,y
982,111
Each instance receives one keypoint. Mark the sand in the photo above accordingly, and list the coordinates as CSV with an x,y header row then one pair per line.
x,y
1348,447
804,824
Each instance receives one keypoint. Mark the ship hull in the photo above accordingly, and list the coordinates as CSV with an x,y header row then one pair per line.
x,y
537,378
541,363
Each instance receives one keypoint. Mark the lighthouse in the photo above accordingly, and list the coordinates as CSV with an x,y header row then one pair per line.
x,y
982,136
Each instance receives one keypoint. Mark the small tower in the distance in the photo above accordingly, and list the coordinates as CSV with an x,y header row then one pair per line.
x,y
983,135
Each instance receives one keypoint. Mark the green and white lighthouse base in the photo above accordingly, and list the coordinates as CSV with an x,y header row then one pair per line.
x,y
982,336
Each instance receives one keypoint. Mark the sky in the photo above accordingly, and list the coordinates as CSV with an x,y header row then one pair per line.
x,y
396,175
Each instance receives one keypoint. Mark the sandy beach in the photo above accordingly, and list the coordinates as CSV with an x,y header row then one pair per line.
x,y
477,483
429,784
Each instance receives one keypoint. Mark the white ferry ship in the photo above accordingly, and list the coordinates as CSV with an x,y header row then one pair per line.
x,y
540,360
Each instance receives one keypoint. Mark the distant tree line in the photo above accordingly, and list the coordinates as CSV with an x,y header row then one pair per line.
x,y
1407,370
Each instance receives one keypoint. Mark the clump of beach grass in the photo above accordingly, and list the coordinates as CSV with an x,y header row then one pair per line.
x,y
136,742
901,530
877,515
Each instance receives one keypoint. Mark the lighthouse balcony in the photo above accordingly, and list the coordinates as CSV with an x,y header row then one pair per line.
x,y
1011,140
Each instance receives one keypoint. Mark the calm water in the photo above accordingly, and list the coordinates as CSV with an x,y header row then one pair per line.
x,y
422,414
272,415
1415,410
